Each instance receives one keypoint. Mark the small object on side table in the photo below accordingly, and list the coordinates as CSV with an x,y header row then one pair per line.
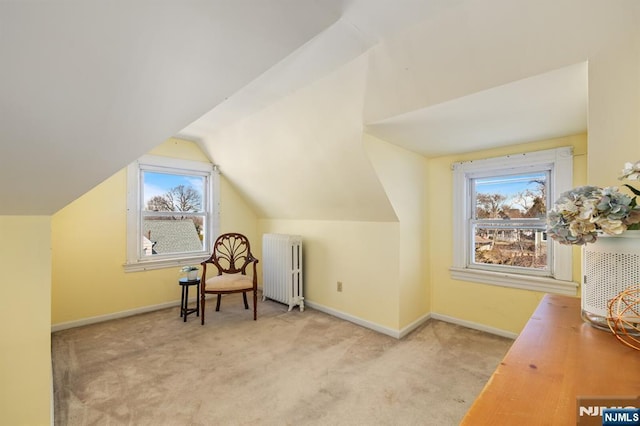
x,y
185,283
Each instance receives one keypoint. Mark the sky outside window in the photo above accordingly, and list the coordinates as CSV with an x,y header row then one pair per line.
x,y
511,186
160,183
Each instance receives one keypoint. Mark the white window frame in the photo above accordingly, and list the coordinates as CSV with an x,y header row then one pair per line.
x,y
135,262
560,163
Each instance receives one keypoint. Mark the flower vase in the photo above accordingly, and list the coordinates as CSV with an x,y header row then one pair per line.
x,y
609,266
192,275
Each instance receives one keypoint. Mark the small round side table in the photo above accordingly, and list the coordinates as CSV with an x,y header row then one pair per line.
x,y
185,283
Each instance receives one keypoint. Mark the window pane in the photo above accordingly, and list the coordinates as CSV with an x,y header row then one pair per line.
x,y
165,235
172,192
526,248
511,196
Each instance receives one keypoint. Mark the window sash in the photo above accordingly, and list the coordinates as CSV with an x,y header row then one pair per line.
x,y
136,212
537,226
512,224
152,213
171,254
545,169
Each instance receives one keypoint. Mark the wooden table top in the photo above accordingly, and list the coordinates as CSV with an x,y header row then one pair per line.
x,y
556,359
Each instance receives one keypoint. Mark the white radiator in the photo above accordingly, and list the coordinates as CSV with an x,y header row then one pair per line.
x,y
282,269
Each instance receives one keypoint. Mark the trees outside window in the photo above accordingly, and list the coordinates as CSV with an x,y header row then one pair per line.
x,y
510,219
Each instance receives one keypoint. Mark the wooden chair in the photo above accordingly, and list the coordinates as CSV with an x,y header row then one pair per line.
x,y
231,256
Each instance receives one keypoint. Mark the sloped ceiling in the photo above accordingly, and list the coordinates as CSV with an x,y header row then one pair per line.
x,y
544,106
303,157
276,139
87,86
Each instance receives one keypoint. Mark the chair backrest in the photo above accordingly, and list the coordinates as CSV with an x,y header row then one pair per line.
x,y
231,253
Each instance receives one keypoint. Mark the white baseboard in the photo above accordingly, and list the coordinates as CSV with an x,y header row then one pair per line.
x,y
417,323
399,334
121,314
474,325
115,315
356,320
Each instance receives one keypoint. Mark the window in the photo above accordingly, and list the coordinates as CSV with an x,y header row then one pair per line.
x,y
172,210
500,208
508,220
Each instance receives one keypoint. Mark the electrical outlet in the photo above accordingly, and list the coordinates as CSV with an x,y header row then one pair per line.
x,y
339,285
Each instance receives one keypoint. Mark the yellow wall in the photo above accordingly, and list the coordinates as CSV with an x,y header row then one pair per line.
x,y
494,306
614,102
89,249
362,255
25,327
393,273
238,216
403,176
382,265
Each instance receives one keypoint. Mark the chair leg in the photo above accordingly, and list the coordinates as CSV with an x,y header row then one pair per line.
x,y
218,304
202,309
244,296
255,300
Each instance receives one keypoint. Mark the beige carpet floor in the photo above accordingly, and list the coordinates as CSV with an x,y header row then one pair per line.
x,y
287,368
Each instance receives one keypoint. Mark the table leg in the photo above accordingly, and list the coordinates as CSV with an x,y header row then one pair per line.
x,y
182,302
186,301
198,300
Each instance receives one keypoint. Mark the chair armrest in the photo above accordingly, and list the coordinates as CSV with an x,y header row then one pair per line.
x,y
255,261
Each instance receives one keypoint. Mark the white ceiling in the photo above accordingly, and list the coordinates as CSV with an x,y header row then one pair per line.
x,y
545,106
87,86
363,24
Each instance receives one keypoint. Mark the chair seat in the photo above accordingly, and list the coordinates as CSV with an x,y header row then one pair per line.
x,y
229,282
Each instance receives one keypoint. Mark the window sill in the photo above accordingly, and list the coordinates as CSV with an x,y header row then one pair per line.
x,y
161,264
543,284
